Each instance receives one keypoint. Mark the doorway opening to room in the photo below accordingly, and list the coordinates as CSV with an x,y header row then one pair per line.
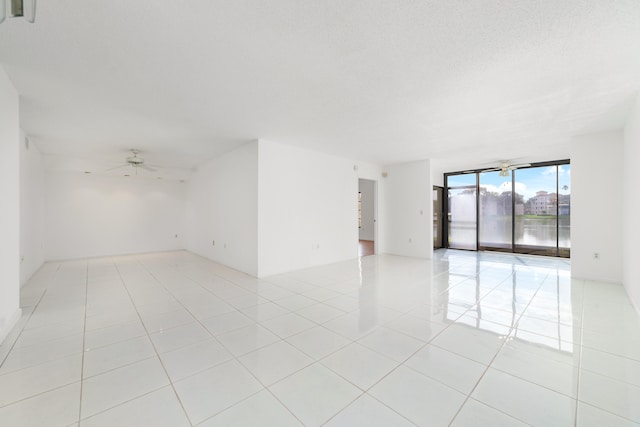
x,y
367,213
525,210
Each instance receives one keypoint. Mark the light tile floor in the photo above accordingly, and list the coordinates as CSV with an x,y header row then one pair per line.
x,y
468,339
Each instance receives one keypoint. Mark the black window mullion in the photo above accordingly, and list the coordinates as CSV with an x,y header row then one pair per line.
x,y
513,211
557,211
477,211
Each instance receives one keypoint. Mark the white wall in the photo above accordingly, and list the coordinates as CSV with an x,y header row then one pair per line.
x,y
223,206
370,171
307,209
99,215
367,209
32,197
438,169
596,206
10,208
631,206
408,229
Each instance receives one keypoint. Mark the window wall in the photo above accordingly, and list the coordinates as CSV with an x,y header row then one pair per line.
x,y
528,211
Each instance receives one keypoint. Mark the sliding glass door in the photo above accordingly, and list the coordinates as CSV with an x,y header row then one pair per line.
x,y
527,211
461,213
496,212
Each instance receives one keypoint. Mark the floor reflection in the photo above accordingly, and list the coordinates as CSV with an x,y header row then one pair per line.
x,y
488,338
513,296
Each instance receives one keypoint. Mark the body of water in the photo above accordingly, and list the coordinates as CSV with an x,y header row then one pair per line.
x,y
496,232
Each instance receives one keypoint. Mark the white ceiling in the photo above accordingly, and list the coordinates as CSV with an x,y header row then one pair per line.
x,y
376,80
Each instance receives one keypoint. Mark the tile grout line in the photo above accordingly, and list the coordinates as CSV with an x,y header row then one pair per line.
x,y
504,343
366,393
122,403
44,292
363,391
236,358
157,354
84,334
38,364
197,320
582,304
315,361
402,363
268,387
40,394
13,344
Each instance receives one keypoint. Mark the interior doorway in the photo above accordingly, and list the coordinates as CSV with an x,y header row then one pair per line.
x,y
367,213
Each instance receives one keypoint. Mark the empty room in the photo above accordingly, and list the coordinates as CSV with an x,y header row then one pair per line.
x,y
340,213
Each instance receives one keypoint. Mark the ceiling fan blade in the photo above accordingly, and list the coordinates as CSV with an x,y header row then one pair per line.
x,y
520,165
117,167
147,168
491,170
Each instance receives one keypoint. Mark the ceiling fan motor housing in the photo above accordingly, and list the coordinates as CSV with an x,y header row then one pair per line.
x,y
135,161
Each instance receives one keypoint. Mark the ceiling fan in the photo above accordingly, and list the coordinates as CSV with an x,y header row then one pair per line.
x,y
505,167
135,162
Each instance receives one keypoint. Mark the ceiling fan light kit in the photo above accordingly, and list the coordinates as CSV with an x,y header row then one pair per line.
x,y
135,160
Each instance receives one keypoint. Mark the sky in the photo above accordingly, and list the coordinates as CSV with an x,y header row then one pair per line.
x,y
528,180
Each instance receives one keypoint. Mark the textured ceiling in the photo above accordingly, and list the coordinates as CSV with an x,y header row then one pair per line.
x,y
377,80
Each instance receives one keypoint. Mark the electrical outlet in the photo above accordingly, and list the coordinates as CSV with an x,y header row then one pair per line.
x,y
596,255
